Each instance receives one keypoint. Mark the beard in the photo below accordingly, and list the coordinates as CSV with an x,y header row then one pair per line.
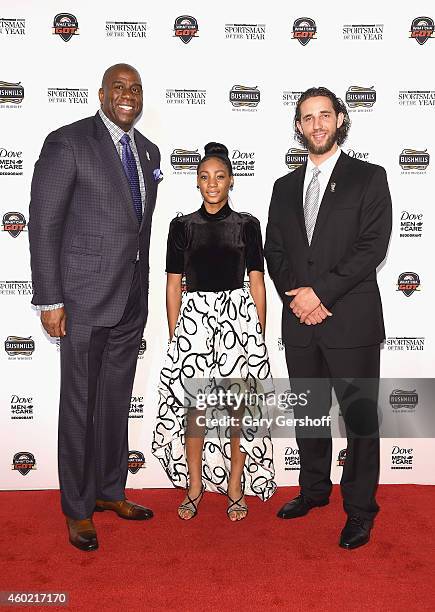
x,y
321,149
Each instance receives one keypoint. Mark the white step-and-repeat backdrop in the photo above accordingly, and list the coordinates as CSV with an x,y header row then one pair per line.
x,y
192,56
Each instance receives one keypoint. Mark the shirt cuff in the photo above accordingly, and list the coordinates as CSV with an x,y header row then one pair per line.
x,y
49,306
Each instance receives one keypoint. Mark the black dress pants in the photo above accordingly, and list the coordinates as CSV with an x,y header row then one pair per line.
x,y
98,366
354,374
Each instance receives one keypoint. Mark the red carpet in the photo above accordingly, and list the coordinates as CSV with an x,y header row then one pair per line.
x,y
210,563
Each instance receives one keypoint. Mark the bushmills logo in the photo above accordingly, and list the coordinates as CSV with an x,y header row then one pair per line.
x,y
183,159
16,345
186,28
408,282
11,94
23,463
136,461
304,30
422,28
403,401
14,223
244,96
294,158
364,97
66,26
412,159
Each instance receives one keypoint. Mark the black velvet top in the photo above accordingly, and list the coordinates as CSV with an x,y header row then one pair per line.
x,y
214,250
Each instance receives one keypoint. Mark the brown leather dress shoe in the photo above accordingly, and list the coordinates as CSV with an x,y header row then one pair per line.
x,y
125,509
82,533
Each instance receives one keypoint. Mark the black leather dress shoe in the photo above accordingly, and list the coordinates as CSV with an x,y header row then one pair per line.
x,y
299,506
82,534
125,509
356,532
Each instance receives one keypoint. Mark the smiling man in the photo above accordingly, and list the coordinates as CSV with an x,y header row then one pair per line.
x,y
328,230
93,195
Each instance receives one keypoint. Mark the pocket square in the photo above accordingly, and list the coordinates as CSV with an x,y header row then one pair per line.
x,y
157,175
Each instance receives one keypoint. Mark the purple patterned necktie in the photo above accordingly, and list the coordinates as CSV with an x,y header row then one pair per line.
x,y
130,167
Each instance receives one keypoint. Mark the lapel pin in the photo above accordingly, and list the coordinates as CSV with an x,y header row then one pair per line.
x,y
148,155
333,185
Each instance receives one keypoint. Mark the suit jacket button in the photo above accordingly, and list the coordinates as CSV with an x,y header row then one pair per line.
x,y
310,262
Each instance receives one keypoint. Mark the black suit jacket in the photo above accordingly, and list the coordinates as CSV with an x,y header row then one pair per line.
x,y
350,240
83,231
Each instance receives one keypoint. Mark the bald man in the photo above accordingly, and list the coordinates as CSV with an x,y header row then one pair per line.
x,y
93,195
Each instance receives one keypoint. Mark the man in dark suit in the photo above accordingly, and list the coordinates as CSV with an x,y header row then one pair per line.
x,y
328,230
93,194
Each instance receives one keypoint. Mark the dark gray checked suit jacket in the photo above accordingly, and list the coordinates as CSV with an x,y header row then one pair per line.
x,y
83,231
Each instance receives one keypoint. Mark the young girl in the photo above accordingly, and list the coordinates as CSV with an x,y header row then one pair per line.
x,y
216,328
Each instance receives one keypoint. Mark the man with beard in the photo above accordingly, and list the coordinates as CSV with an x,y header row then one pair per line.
x,y
328,230
93,195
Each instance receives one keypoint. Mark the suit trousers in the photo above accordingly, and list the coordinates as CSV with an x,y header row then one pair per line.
x,y
354,375
98,365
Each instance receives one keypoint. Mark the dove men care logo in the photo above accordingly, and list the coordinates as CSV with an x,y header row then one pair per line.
x,y
291,459
422,28
360,97
23,463
136,407
408,282
304,30
14,223
402,458
11,162
11,94
22,407
294,158
186,28
66,26
136,461
411,224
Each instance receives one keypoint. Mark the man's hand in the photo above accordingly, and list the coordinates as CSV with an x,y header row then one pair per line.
x,y
318,315
54,322
304,302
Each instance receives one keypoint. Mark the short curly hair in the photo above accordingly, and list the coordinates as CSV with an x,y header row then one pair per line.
x,y
338,105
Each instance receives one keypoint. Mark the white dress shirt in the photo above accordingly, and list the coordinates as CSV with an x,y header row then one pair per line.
x,y
326,169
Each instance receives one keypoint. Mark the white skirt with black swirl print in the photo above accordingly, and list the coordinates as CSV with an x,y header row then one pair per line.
x,y
214,384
